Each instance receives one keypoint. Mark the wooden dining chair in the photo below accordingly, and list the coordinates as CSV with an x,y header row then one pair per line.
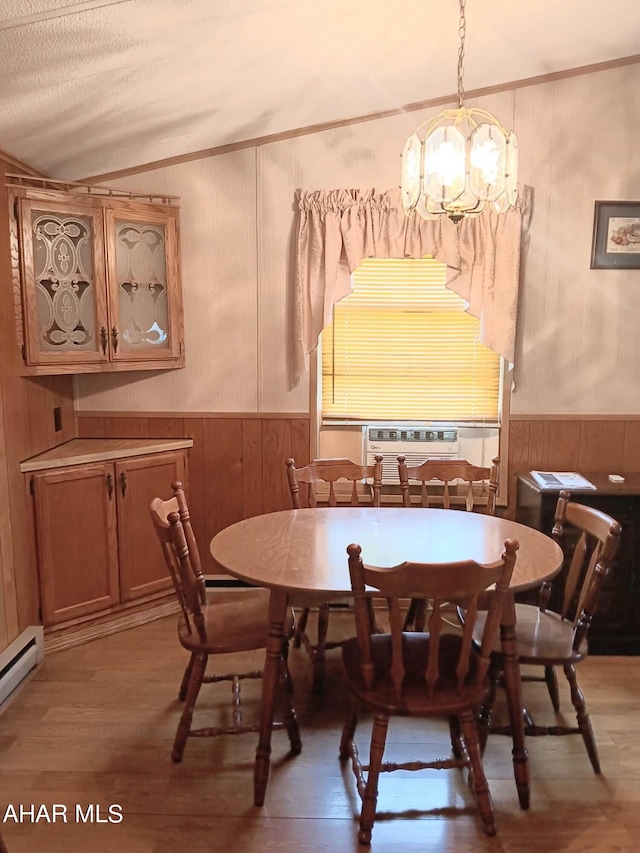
x,y
476,487
218,623
552,638
306,491
431,675
474,490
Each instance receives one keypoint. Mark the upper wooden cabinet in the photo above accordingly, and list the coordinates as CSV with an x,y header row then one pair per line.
x,y
99,283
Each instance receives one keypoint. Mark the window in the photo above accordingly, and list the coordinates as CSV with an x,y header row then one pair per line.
x,y
401,347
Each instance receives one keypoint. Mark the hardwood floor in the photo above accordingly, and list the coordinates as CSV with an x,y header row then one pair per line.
x,y
96,723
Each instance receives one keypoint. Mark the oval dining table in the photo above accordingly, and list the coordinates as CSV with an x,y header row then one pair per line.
x,y
303,552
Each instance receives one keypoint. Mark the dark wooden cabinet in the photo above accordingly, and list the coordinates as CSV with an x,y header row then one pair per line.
x,y
616,626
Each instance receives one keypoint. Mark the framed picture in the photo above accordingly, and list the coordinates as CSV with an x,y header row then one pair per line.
x,y
616,235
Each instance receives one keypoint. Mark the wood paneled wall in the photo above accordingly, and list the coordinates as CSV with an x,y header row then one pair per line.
x,y
603,445
26,428
236,465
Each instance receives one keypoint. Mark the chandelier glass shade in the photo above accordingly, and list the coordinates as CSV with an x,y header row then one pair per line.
x,y
460,161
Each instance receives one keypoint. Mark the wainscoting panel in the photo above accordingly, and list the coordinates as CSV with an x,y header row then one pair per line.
x,y
610,446
236,465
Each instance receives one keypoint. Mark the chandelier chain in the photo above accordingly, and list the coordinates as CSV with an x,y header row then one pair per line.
x,y
462,161
462,32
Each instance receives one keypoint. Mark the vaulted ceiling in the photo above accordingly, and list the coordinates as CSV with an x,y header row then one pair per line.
x,y
93,86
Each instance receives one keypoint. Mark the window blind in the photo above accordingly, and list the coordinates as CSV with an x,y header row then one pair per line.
x,y
401,347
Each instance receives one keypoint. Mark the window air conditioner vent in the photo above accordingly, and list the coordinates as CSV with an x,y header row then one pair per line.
x,y
397,434
416,445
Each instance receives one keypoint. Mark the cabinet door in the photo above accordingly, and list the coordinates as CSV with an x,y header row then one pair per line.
x,y
75,511
142,567
63,283
143,284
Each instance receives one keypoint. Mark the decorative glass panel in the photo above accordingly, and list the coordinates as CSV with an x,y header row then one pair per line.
x,y
63,271
411,165
488,155
142,285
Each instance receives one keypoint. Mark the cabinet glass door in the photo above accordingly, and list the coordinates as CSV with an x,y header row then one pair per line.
x,y
142,286
64,283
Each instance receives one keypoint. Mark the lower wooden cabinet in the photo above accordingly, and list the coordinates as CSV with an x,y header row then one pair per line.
x,y
77,541
143,569
96,545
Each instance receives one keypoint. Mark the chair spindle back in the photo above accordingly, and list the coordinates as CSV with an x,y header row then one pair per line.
x,y
330,471
173,526
442,583
443,472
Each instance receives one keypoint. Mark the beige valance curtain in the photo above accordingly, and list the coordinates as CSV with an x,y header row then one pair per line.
x,y
338,229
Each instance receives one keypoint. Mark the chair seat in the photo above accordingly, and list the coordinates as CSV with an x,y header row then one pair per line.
x,y
415,699
541,637
236,621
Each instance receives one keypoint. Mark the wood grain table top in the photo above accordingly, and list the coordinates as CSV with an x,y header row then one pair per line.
x,y
306,549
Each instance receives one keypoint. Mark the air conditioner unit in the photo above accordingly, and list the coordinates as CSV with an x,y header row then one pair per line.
x,y
414,443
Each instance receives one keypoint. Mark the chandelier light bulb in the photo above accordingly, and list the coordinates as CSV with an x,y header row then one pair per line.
x,y
446,166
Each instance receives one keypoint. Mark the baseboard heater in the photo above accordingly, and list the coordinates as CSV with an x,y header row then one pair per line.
x,y
19,659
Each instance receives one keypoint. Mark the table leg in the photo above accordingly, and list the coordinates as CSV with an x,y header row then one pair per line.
x,y
513,686
278,603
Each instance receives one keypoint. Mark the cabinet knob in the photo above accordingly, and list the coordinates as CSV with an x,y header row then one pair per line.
x,y
114,339
103,340
109,479
123,483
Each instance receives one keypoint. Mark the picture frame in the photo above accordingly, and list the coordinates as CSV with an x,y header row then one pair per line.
x,y
616,235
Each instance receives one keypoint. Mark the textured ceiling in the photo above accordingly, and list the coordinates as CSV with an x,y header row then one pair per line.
x,y
96,86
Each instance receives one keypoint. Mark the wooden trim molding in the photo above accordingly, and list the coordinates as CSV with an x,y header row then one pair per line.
x,y
45,186
14,163
14,245
66,636
332,125
164,415
556,417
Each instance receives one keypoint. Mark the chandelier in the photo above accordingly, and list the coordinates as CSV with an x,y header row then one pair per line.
x,y
460,161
